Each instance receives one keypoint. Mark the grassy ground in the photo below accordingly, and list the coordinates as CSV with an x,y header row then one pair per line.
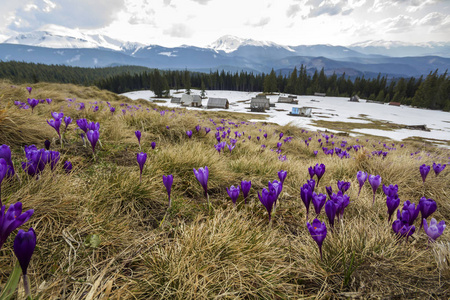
x,y
103,235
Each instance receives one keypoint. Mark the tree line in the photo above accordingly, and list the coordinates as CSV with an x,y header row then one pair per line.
x,y
430,91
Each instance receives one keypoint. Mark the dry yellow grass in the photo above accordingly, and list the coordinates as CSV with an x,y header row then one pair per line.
x,y
102,235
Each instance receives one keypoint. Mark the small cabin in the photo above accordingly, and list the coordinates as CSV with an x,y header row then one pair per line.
x,y
176,100
289,99
301,111
354,98
191,100
218,103
394,103
259,103
320,94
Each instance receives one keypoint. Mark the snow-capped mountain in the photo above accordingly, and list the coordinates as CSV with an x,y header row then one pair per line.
x,y
59,45
229,43
61,37
402,49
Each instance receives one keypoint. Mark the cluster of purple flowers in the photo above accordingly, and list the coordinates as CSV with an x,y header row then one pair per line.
x,y
437,168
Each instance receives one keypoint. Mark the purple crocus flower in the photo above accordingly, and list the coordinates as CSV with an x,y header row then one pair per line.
x,y
282,175
82,124
67,121
318,231
233,192
245,188
12,219
424,170
93,136
392,203
56,125
267,198
138,135
53,157
343,186
67,166
315,152
318,201
312,184
434,229
153,145
202,176
168,181
427,207
330,210
403,229
207,130
342,201
231,147
362,177
319,170
413,212
281,135
29,89
390,190
311,172
112,110
375,182
57,115
438,168
306,196
189,133
141,159
33,103
24,245
265,135
93,126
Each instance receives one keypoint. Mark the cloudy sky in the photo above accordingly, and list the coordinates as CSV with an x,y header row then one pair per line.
x,y
200,22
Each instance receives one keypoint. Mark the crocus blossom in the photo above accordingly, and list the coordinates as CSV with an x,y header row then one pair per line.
x,y
343,186
29,89
168,181
318,201
189,133
67,166
375,182
362,177
434,229
391,190
93,136
438,168
424,170
413,212
319,170
427,207
67,121
267,198
233,192
392,202
245,188
318,231
311,172
202,176
138,135
141,159
330,210
56,123
33,103
24,245
11,219
282,175
306,196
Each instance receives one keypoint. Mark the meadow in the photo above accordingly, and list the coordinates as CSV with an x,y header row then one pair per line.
x,y
102,233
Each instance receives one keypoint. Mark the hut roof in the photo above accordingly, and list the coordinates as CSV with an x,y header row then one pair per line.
x,y
218,103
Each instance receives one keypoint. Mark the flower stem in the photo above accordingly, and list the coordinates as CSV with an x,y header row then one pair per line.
x,y
26,286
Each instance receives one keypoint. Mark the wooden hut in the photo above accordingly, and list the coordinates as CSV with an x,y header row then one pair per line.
x,y
289,99
394,103
191,100
301,111
218,103
259,103
176,100
354,98
320,94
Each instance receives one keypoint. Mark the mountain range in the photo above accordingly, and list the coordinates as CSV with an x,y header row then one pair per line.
x,y
228,53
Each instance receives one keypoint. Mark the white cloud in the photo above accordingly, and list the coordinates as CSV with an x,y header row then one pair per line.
x,y
328,7
260,23
178,31
293,10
